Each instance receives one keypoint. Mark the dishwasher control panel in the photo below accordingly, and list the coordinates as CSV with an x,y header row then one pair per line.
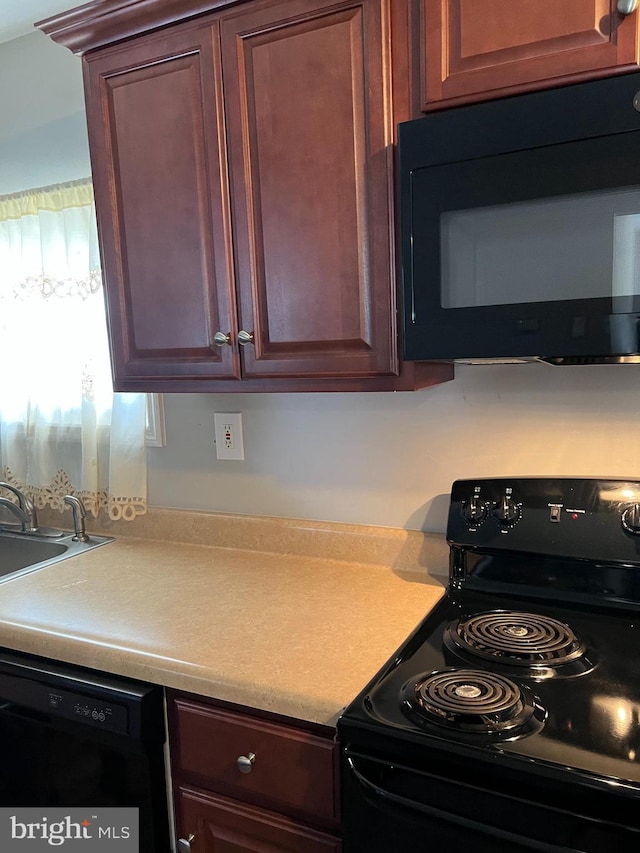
x,y
110,717
75,706
46,690
23,697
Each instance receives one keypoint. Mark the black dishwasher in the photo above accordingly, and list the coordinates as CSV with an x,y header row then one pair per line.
x,y
77,737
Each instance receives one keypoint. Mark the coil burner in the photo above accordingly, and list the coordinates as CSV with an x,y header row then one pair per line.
x,y
519,640
473,702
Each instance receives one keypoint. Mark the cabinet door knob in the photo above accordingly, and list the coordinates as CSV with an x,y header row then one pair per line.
x,y
245,338
245,762
220,339
626,7
184,844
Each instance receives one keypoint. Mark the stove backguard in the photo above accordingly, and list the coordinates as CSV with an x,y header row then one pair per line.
x,y
567,539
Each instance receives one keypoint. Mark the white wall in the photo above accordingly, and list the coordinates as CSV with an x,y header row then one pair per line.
x,y
385,459
390,459
43,137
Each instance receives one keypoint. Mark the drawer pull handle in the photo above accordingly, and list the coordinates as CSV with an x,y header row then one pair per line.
x,y
184,844
245,338
626,7
245,762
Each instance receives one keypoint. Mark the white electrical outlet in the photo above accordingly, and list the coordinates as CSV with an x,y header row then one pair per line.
x,y
228,431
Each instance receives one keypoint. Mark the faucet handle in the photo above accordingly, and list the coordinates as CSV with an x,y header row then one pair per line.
x,y
79,515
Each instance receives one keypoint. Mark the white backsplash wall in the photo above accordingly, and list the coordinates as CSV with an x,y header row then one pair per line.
x,y
386,459
389,459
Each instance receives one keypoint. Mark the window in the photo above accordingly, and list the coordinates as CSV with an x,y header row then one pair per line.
x,y
62,428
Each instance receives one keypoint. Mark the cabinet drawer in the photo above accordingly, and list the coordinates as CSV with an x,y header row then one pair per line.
x,y
290,769
226,825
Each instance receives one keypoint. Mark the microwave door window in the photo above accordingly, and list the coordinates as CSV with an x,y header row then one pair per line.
x,y
626,261
581,246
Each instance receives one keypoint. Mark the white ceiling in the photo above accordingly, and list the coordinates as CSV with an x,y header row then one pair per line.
x,y
18,16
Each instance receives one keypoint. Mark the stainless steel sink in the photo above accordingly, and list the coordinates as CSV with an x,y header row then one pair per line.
x,y
21,553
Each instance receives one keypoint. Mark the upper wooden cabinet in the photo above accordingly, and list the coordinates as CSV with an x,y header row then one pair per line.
x,y
243,171
156,133
477,49
310,141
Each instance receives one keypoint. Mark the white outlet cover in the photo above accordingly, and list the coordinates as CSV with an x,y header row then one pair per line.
x,y
228,432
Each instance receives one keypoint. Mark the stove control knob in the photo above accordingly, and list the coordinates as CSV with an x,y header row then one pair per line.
x,y
474,510
631,519
507,511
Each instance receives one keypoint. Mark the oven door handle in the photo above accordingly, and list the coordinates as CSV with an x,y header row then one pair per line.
x,y
379,793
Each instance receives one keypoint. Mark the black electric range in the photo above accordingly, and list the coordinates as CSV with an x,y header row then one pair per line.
x,y
510,719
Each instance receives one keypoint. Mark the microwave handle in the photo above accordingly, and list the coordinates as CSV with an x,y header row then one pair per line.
x,y
378,793
626,7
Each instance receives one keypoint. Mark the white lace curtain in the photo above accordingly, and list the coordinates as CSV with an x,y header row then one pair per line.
x,y
62,429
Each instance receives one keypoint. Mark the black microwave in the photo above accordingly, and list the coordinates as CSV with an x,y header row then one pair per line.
x,y
520,228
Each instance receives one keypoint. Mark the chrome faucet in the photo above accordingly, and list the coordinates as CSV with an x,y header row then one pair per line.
x,y
26,505
79,515
20,514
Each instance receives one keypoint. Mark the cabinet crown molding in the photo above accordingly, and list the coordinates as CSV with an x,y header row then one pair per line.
x,y
104,22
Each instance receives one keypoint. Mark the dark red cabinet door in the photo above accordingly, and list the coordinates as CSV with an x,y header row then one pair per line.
x,y
157,145
310,130
475,49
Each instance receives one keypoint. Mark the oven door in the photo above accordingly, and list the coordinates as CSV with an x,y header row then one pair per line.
x,y
389,808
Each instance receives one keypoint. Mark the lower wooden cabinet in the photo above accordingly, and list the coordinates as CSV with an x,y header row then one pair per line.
x,y
220,825
244,784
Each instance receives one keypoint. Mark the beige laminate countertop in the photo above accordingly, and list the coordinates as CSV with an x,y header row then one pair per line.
x,y
293,634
